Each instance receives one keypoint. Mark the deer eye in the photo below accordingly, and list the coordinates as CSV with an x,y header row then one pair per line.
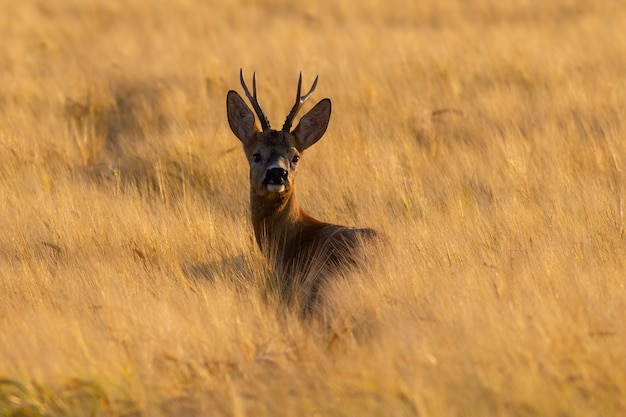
x,y
256,158
295,159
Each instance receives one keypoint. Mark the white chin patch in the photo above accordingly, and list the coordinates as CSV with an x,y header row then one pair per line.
x,y
276,188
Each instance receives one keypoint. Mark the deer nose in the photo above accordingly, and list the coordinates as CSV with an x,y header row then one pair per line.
x,y
277,175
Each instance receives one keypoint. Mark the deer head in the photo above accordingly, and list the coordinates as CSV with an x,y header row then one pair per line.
x,y
273,155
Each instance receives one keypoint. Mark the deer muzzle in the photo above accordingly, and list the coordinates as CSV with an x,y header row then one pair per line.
x,y
275,179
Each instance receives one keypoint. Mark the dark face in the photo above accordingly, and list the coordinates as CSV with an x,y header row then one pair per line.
x,y
273,160
273,155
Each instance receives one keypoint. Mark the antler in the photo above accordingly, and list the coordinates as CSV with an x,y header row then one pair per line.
x,y
298,103
265,124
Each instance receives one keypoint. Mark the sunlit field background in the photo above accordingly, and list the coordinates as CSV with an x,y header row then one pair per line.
x,y
486,139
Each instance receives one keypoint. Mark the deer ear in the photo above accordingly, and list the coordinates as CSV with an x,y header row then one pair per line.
x,y
312,125
240,117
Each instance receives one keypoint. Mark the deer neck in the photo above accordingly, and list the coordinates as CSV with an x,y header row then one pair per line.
x,y
276,218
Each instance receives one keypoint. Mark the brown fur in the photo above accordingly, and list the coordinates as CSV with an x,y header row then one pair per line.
x,y
301,249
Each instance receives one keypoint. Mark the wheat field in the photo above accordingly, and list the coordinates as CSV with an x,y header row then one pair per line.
x,y
485,139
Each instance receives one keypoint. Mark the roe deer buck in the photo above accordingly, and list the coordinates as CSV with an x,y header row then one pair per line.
x,y
301,249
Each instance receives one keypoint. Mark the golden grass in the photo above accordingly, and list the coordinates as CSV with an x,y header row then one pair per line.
x,y
486,139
